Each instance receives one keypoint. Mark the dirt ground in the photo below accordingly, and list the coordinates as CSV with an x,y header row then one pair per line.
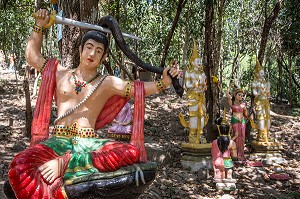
x,y
163,127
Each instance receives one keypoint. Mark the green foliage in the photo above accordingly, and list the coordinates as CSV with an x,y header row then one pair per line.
x,y
15,25
295,112
289,46
151,20
290,23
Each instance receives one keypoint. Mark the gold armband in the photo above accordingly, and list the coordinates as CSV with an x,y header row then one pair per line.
x,y
38,29
127,90
160,85
41,70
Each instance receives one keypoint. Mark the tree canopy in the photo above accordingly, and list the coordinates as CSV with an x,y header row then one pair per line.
x,y
239,24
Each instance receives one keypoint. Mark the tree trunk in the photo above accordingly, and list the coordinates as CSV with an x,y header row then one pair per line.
x,y
70,34
288,67
28,112
219,34
279,82
17,61
208,63
185,47
221,69
266,29
290,84
217,54
180,6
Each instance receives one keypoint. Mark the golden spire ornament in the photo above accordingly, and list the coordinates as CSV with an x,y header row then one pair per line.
x,y
195,53
224,121
257,68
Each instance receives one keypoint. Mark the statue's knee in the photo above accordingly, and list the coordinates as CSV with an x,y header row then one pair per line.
x,y
114,156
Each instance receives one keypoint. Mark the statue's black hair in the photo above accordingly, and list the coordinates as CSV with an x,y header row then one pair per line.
x,y
97,36
223,143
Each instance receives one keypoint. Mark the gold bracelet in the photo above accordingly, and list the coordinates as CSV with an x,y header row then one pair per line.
x,y
38,29
127,90
160,86
41,70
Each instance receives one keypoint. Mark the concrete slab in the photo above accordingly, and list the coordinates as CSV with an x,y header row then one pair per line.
x,y
195,163
157,152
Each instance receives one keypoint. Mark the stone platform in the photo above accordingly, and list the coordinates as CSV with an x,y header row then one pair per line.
x,y
263,147
225,184
196,156
267,152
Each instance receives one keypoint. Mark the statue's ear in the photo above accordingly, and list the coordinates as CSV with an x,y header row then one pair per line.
x,y
103,57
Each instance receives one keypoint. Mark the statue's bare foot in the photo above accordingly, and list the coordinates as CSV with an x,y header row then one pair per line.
x,y
55,168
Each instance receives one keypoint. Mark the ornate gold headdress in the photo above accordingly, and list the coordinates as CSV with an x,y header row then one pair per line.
x,y
195,53
224,122
257,67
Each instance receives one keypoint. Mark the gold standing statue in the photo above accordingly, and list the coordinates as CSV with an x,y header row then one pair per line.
x,y
261,92
195,82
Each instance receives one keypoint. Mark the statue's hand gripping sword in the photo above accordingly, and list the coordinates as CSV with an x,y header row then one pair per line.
x,y
109,21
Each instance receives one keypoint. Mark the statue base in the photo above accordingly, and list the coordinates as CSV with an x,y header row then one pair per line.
x,y
225,184
205,149
267,152
124,183
265,147
268,158
196,156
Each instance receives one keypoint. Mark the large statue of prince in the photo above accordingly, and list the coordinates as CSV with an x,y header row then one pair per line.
x,y
86,101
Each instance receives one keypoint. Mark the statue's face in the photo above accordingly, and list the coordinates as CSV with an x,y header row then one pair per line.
x,y
239,95
197,62
92,53
261,74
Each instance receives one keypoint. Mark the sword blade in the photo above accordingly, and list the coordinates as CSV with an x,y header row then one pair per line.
x,y
71,22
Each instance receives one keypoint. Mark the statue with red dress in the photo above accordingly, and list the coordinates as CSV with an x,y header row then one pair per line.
x,y
223,152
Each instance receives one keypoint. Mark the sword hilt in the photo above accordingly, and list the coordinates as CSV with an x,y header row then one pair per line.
x,y
51,20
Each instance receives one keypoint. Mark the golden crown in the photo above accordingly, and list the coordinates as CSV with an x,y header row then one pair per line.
x,y
195,53
257,67
224,121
